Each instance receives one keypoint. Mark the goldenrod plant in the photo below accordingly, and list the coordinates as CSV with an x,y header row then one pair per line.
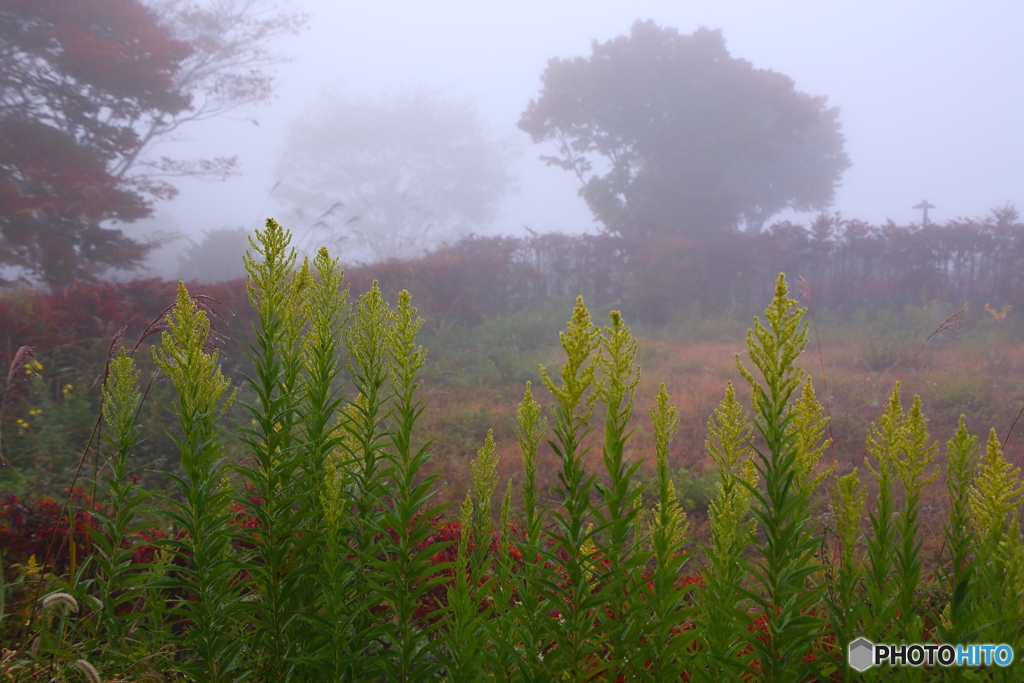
x,y
322,482
884,443
464,626
479,593
900,446
845,605
321,553
619,540
531,430
911,469
404,573
364,443
526,619
807,429
117,582
207,568
995,498
782,581
722,616
959,620
282,496
570,603
663,655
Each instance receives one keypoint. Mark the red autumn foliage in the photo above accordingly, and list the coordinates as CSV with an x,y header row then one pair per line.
x,y
80,318
77,79
42,529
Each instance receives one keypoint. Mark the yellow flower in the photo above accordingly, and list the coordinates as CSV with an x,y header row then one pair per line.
x,y
1000,315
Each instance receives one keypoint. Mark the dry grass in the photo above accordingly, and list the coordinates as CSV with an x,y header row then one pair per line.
x,y
978,373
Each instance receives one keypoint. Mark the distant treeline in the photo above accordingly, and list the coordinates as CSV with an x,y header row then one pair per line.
x,y
845,263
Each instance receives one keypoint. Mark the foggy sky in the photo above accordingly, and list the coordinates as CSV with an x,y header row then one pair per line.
x,y
929,93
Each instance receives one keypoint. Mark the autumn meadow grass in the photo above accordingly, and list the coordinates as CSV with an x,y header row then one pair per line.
x,y
324,536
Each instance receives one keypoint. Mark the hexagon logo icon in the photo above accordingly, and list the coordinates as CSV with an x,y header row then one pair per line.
x,y
860,654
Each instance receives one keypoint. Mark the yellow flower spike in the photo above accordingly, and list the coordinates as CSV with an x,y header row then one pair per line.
x,y
995,494
807,430
484,472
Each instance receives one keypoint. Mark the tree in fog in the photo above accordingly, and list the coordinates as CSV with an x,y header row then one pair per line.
x,y
87,88
216,258
227,68
394,176
670,135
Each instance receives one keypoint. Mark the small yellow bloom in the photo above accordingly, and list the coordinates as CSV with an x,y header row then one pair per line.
x,y
66,389
1000,315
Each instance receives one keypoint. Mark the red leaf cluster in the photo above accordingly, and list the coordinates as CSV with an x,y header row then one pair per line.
x,y
77,78
42,529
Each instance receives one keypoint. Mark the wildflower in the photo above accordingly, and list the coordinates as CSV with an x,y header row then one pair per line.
x,y
485,477
995,494
66,389
121,395
1000,315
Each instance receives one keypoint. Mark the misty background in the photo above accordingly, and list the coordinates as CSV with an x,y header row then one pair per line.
x,y
928,95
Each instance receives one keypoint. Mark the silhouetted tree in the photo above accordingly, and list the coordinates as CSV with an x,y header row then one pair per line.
x,y
216,258
670,135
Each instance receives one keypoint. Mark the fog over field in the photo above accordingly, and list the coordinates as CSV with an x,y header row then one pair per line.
x,y
928,93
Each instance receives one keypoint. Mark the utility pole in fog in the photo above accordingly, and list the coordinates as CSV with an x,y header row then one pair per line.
x,y
924,206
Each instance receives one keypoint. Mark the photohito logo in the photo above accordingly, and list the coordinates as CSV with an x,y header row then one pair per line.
x,y
862,654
